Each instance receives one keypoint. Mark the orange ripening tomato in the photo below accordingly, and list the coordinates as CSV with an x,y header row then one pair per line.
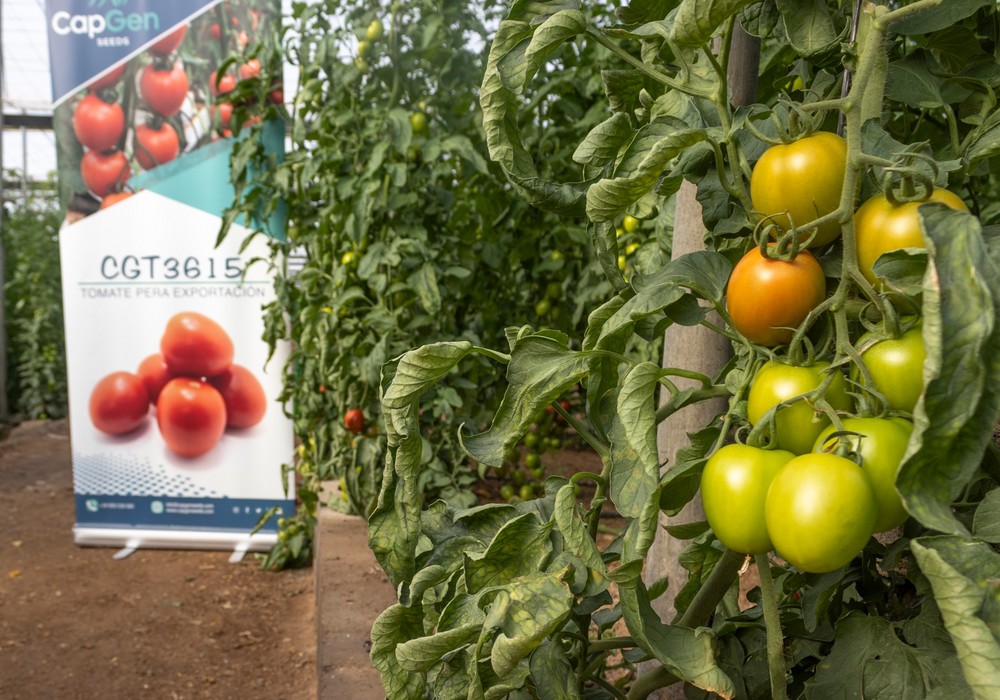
x,y
114,198
803,181
881,226
768,298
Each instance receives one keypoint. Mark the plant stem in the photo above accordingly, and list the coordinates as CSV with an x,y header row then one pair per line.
x,y
772,622
644,68
712,590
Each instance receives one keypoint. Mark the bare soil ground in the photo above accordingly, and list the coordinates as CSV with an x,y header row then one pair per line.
x,y
77,624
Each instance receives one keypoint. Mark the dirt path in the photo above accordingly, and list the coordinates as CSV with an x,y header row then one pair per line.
x,y
75,623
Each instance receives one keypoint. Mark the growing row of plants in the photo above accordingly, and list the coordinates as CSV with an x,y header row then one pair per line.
x,y
409,234
850,258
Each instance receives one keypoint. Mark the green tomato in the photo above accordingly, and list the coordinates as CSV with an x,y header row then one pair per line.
x,y
734,486
881,443
820,511
348,258
375,30
553,290
543,307
507,492
538,474
364,48
517,476
631,224
556,256
418,122
897,368
526,492
797,425
531,440
532,460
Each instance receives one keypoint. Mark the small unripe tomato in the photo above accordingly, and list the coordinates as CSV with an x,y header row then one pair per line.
x,y
797,425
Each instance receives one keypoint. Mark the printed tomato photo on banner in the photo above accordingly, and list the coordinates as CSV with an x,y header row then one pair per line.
x,y
171,96
192,385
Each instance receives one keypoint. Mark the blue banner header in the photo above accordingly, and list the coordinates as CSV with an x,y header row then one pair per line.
x,y
88,38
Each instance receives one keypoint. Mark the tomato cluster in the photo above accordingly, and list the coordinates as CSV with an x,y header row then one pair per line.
x,y
194,385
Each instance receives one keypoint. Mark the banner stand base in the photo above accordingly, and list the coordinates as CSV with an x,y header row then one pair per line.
x,y
130,539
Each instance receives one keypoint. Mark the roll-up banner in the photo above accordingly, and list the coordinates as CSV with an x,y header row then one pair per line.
x,y
178,437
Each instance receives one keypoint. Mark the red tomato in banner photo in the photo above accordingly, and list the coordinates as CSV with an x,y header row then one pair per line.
x,y
768,298
170,42
104,172
98,125
154,374
164,90
119,403
155,146
193,345
191,415
225,112
220,86
243,394
354,420
109,79
114,198
250,69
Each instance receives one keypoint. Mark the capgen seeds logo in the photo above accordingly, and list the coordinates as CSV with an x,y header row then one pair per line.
x,y
113,21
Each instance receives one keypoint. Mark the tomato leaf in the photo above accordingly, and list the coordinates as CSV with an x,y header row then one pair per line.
x,y
965,578
961,295
423,653
519,548
868,660
809,26
697,20
540,371
687,653
986,523
940,17
605,140
551,672
393,627
609,198
500,125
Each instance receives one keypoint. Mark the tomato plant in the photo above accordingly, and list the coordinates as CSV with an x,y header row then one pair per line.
x,y
820,511
119,403
98,125
155,144
592,113
734,487
194,345
798,182
104,172
243,395
191,416
767,298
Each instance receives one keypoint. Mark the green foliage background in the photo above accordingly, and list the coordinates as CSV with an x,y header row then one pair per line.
x,y
36,360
